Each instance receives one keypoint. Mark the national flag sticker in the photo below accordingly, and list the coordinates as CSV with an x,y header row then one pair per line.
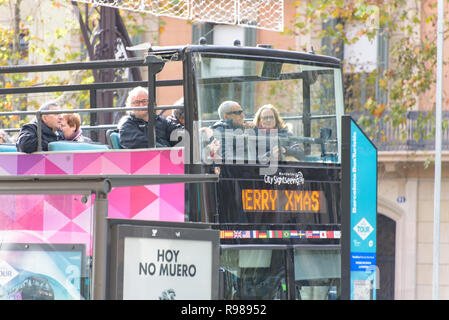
x,y
279,234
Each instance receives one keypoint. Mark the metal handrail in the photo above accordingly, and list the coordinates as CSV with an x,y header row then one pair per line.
x,y
91,88
39,115
67,66
87,87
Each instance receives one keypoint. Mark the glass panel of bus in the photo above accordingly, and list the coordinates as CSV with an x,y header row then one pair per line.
x,y
317,274
307,97
254,274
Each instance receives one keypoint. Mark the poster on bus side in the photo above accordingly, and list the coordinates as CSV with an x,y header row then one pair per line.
x,y
31,271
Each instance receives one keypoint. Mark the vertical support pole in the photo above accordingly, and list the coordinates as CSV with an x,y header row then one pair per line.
x,y
105,51
438,142
306,115
345,208
99,261
290,271
93,115
39,130
151,104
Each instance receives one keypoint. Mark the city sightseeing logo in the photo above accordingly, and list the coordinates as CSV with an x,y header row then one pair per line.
x,y
285,178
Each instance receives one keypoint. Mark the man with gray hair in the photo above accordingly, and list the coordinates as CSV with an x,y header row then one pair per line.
x,y
229,130
133,128
50,131
177,115
231,116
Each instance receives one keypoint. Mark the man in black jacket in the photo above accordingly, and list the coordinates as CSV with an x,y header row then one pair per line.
x,y
51,124
133,128
229,131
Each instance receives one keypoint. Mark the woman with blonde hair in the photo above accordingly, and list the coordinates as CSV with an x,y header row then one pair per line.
x,y
266,119
71,127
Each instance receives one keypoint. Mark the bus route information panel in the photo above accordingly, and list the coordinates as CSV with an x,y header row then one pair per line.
x,y
359,203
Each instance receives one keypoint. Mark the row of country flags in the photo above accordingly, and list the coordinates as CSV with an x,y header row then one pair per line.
x,y
279,234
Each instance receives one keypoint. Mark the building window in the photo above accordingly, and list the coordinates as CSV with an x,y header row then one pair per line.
x,y
362,59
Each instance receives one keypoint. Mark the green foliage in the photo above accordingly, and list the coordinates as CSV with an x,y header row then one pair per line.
x,y
53,47
41,50
412,53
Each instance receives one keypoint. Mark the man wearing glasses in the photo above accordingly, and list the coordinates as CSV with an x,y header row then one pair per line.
x,y
230,126
133,128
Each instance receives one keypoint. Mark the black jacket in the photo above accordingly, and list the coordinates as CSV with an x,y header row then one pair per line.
x,y
254,136
27,140
226,132
223,125
134,132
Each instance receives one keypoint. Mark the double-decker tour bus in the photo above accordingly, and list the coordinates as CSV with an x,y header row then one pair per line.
x,y
276,145
279,213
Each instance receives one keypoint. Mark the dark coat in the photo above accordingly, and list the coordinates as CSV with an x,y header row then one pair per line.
x,y
172,119
134,132
223,125
27,140
225,131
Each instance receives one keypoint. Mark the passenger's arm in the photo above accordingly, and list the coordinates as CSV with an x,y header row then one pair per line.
x,y
169,128
27,140
132,137
291,147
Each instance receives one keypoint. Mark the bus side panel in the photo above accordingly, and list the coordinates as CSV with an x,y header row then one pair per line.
x,y
67,218
292,195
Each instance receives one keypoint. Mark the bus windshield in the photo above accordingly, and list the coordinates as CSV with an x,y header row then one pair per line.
x,y
291,111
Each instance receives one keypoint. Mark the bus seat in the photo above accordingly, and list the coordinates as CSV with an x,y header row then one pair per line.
x,y
312,159
73,146
113,138
8,147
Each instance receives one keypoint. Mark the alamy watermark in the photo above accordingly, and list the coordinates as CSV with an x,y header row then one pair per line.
x,y
228,146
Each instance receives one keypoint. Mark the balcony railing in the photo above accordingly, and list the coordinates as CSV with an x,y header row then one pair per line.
x,y
413,135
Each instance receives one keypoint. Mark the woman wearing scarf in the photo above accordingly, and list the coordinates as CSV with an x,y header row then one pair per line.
x,y
71,127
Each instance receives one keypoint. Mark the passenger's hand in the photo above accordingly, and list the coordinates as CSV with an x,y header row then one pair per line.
x,y
248,125
214,146
276,150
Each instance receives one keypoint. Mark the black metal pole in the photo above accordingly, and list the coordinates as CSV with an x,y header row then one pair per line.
x,y
93,116
39,131
106,51
345,208
151,104
155,65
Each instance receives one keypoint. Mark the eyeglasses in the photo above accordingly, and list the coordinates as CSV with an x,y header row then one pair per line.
x,y
267,118
139,102
237,112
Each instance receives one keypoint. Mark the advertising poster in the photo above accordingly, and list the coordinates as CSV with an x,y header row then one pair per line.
x,y
167,269
363,212
40,272
56,218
